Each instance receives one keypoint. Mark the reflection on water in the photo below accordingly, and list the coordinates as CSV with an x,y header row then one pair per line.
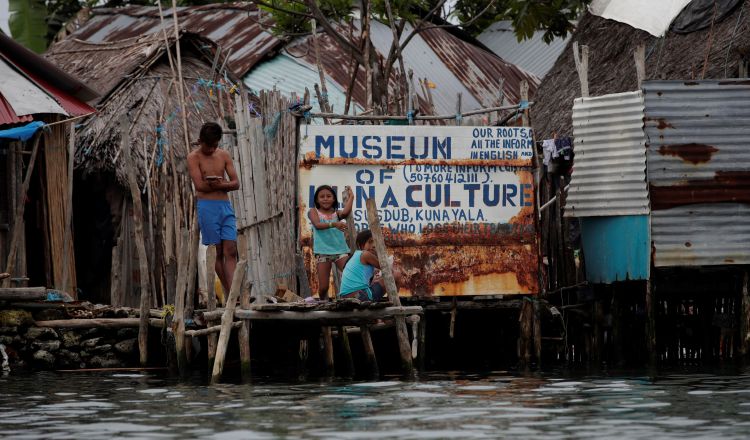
x,y
115,405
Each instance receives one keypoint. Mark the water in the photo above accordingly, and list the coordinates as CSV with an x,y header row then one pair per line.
x,y
497,405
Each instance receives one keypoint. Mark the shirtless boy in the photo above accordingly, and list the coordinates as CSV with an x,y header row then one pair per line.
x,y
207,165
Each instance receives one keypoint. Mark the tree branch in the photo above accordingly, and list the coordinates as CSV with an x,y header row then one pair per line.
x,y
280,9
330,30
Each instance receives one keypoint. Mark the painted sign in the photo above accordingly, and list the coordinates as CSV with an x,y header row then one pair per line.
x,y
456,203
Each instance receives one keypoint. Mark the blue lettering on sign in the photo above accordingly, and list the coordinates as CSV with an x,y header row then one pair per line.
x,y
410,196
389,199
348,147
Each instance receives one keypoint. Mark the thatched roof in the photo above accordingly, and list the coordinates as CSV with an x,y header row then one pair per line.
x,y
612,69
135,79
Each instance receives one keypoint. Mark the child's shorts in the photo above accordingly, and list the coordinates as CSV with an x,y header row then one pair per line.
x,y
216,220
375,288
323,258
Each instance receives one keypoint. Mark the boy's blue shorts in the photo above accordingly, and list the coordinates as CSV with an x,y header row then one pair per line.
x,y
216,221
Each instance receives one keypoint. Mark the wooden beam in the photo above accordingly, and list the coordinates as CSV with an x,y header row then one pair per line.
x,y
210,330
22,293
227,319
639,56
99,323
178,323
582,66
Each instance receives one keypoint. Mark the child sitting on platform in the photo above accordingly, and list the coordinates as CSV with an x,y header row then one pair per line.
x,y
329,242
357,280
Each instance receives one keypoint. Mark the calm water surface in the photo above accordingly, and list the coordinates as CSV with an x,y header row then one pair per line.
x,y
496,405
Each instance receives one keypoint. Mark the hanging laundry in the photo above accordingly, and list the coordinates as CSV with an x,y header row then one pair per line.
x,y
548,149
563,148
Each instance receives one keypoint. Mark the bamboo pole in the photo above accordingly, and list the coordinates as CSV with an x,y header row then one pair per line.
x,y
390,287
582,66
227,319
328,360
178,324
18,216
67,245
210,331
135,194
351,232
181,85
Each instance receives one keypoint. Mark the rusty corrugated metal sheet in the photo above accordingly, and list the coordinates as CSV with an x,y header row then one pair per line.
x,y
699,171
8,116
234,26
609,177
456,203
479,71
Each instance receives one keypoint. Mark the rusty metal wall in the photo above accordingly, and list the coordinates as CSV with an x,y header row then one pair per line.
x,y
609,177
699,171
458,215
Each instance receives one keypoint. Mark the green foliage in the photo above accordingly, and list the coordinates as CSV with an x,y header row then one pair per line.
x,y
27,24
291,16
474,18
552,16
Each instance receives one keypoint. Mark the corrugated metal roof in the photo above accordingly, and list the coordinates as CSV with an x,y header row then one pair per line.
x,y
532,55
234,27
25,97
291,76
609,177
8,116
699,171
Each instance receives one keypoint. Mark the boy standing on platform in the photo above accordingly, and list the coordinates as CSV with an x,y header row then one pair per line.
x,y
214,176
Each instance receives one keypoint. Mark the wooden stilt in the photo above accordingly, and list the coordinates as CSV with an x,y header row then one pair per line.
x,y
328,351
244,333
597,343
347,349
227,319
538,334
390,287
745,317
140,244
211,302
651,324
616,327
178,324
526,318
372,361
422,352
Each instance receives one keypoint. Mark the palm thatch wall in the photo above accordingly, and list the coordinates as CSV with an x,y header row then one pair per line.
x,y
140,94
711,53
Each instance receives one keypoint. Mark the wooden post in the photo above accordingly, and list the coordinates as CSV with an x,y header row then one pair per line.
x,y
582,66
178,323
651,324
745,317
639,55
390,287
524,99
597,343
525,318
140,244
348,359
422,352
372,361
211,302
351,232
330,368
18,228
537,333
617,327
226,320
459,117
67,248
243,336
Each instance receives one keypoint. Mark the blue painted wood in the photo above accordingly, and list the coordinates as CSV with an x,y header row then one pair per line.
x,y
616,248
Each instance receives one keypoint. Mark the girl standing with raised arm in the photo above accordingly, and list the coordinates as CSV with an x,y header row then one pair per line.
x,y
329,241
